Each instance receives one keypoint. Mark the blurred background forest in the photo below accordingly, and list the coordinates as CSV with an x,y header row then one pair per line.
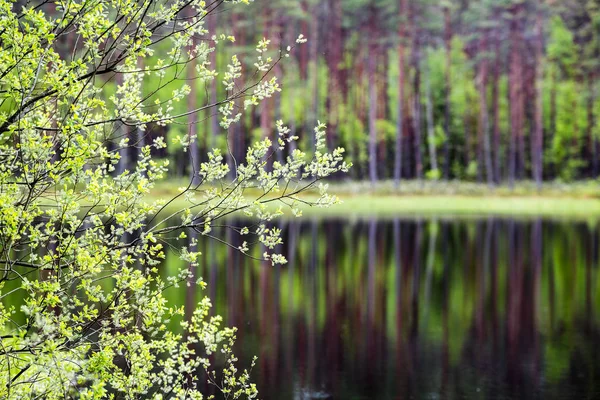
x,y
481,90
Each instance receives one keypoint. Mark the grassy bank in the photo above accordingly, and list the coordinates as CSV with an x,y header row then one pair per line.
x,y
361,199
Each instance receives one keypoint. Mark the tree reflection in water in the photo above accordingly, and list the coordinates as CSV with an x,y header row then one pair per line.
x,y
419,308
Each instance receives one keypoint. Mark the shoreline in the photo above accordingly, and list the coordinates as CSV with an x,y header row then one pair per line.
x,y
453,199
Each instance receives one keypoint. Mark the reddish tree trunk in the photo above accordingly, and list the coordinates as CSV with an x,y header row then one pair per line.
x,y
537,145
192,104
382,105
214,121
303,56
447,88
515,90
496,111
236,131
403,8
334,61
552,131
372,55
314,70
416,62
483,109
266,117
591,124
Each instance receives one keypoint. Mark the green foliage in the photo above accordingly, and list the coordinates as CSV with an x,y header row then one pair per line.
x,y
464,91
80,245
561,48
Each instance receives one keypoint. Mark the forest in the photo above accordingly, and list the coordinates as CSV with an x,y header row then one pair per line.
x,y
335,199
490,91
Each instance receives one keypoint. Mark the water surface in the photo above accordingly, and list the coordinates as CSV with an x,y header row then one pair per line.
x,y
415,309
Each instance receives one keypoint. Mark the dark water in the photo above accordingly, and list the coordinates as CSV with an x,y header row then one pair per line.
x,y
416,309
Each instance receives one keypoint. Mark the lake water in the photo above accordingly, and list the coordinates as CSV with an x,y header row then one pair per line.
x,y
415,309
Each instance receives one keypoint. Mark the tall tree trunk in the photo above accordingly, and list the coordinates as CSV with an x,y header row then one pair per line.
x,y
121,132
140,134
235,135
290,36
214,122
516,90
266,118
467,132
447,88
553,113
484,124
314,71
430,126
592,123
334,61
382,67
276,34
416,62
496,111
403,8
575,146
372,54
360,107
192,104
303,51
537,146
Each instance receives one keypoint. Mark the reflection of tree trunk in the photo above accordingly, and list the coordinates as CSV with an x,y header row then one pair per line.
x,y
416,282
511,296
445,310
232,263
275,320
588,278
191,290
482,281
313,293
494,287
333,324
429,267
551,295
398,265
213,272
294,228
371,273
537,255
